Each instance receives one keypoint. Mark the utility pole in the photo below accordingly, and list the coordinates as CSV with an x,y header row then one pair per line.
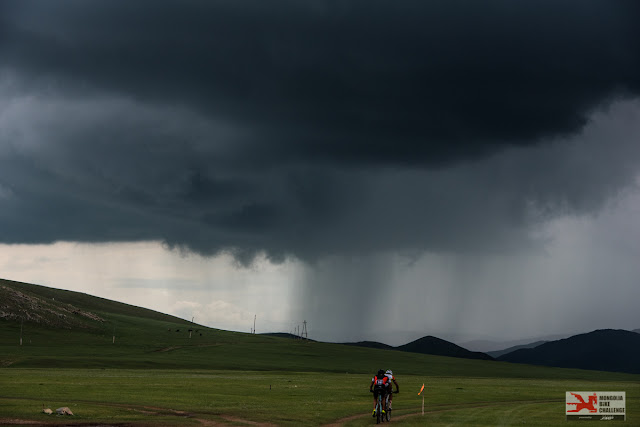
x,y
254,323
304,330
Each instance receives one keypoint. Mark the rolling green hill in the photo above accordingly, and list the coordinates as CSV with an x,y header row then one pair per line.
x,y
66,329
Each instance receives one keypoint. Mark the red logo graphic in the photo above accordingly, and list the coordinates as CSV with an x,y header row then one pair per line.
x,y
590,405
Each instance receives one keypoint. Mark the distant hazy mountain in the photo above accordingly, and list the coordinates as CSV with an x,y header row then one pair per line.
x,y
440,347
605,350
488,346
636,331
499,353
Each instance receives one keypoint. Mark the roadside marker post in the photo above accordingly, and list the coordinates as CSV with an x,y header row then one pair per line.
x,y
422,398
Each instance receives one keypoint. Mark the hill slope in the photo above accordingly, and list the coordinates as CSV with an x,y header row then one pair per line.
x,y
370,344
19,304
56,299
606,350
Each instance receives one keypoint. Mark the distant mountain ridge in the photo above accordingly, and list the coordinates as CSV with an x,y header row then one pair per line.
x,y
498,353
440,347
489,346
428,345
613,350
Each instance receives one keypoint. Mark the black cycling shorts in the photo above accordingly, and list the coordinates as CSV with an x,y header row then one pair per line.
x,y
378,390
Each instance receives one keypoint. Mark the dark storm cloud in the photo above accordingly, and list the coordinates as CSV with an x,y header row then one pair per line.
x,y
308,128
415,82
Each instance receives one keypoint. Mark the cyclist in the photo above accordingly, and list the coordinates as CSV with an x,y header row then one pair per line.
x,y
378,386
389,374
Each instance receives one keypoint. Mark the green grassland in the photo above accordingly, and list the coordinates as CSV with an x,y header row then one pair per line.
x,y
162,370
186,397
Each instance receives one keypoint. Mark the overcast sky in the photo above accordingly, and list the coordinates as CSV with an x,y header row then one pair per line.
x,y
383,170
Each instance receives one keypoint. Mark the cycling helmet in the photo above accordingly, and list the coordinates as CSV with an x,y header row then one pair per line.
x,y
380,373
389,372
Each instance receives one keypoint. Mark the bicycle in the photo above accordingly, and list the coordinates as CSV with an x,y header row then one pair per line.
x,y
379,416
386,403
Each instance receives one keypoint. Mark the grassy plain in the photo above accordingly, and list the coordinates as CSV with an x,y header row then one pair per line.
x,y
195,397
156,374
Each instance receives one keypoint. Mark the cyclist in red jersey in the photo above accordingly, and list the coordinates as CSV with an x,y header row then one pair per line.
x,y
378,385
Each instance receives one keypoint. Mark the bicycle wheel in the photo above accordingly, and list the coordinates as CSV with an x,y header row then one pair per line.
x,y
379,411
388,411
